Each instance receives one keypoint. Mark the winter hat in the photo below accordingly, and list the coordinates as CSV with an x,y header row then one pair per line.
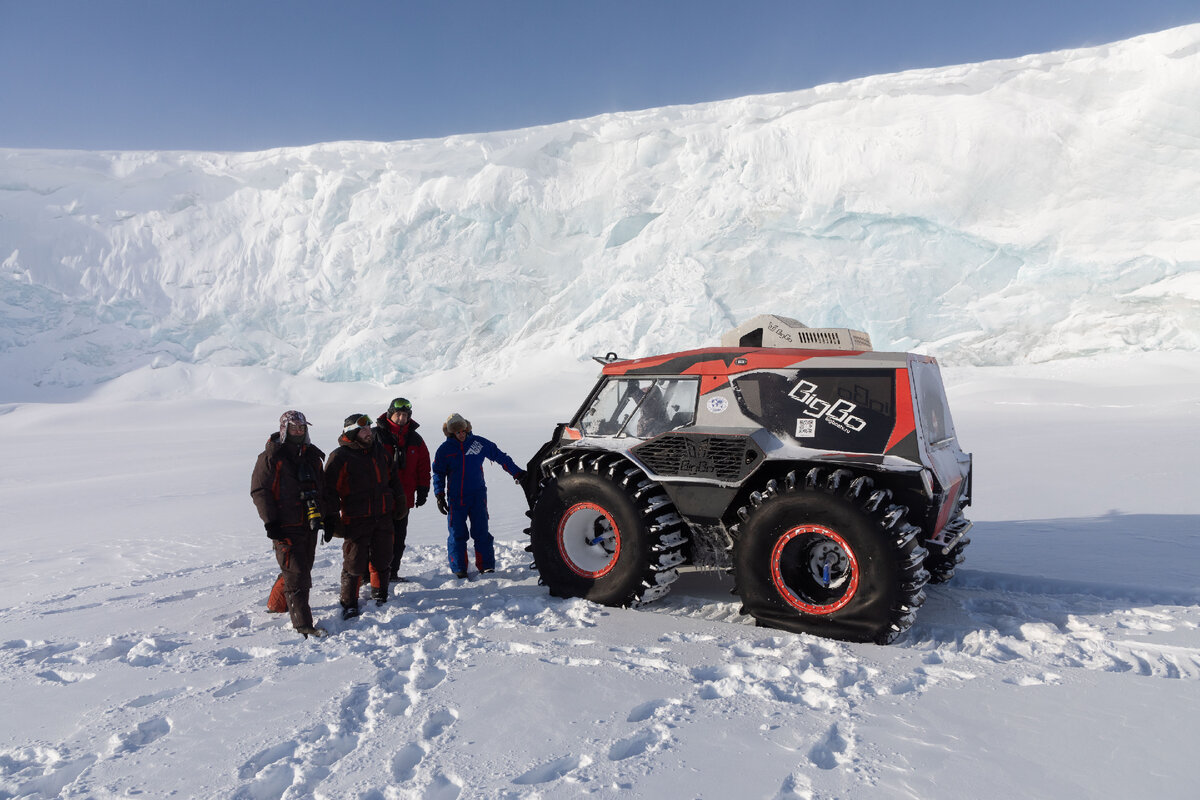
x,y
455,423
400,404
292,418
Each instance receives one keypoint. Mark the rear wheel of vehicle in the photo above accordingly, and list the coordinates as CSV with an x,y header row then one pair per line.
x,y
829,555
603,531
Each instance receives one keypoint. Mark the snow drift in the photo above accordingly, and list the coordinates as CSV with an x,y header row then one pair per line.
x,y
998,213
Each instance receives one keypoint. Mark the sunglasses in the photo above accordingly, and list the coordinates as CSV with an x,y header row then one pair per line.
x,y
362,422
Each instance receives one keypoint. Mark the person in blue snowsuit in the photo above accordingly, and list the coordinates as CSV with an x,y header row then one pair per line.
x,y
461,492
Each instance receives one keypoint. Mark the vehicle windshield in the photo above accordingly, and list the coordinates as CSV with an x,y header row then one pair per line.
x,y
641,408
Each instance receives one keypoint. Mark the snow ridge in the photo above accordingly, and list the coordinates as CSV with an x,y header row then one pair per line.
x,y
930,208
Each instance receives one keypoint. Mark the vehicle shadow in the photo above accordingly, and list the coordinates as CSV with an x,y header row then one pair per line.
x,y
1024,572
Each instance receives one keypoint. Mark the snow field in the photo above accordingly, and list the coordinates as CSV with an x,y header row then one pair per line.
x,y
1061,661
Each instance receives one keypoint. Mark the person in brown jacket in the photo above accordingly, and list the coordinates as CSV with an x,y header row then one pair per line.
x,y
287,485
361,487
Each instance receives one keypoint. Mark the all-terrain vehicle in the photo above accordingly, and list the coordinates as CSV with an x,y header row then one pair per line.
x,y
825,476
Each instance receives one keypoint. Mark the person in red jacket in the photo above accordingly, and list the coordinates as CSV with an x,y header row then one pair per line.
x,y
361,490
396,430
286,485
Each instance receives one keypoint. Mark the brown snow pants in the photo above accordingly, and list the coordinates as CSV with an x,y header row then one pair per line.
x,y
367,546
295,555
400,528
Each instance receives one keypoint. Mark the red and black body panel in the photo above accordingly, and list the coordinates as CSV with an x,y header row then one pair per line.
x,y
758,413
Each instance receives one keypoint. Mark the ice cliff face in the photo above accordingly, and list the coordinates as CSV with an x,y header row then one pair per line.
x,y
992,213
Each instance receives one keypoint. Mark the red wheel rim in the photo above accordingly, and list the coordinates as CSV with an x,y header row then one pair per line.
x,y
587,560
788,594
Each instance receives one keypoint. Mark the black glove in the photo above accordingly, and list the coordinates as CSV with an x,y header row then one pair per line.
x,y
422,495
333,527
274,531
441,501
327,535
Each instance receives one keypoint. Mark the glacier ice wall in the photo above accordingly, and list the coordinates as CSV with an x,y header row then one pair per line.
x,y
995,213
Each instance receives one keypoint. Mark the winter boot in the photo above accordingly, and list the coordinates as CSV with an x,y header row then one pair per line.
x,y
349,590
349,612
380,594
299,610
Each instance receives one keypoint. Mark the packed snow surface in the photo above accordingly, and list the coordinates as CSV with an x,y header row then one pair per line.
x,y
137,655
1005,212
1031,222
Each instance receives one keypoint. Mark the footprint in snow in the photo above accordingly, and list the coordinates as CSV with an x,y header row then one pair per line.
x,y
113,649
187,594
57,676
648,709
83,607
145,733
150,699
429,677
648,741
42,652
795,787
552,771
147,652
438,723
832,751
48,775
404,763
264,758
238,621
441,787
234,687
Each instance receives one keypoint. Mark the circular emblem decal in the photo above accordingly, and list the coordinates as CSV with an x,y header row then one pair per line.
x,y
717,404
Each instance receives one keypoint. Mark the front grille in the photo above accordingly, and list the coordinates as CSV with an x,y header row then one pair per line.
x,y
722,458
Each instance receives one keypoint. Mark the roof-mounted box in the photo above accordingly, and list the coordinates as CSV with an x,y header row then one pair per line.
x,y
772,330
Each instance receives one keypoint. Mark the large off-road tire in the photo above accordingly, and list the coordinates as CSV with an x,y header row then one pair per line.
x,y
603,531
829,555
941,566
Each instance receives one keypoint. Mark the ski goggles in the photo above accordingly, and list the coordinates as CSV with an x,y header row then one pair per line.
x,y
400,404
353,425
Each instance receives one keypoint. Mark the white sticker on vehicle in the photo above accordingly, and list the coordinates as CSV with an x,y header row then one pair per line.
x,y
806,428
837,414
717,405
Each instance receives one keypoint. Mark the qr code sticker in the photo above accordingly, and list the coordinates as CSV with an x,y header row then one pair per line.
x,y
806,428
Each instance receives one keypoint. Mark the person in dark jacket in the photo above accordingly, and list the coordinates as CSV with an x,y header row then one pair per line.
x,y
361,488
286,481
396,430
462,494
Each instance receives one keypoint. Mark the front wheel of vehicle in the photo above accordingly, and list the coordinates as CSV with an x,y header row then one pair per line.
x,y
601,530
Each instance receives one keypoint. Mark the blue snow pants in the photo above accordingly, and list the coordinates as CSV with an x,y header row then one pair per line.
x,y
469,518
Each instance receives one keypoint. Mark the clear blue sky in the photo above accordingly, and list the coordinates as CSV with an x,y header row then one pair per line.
x,y
254,74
